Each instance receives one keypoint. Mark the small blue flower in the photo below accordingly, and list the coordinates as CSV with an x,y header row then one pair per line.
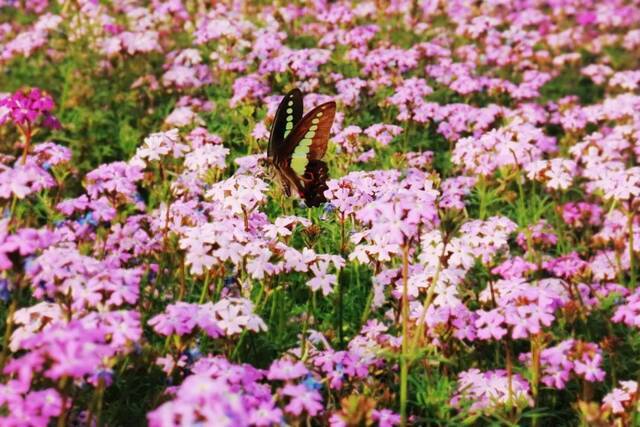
x,y
27,262
5,294
46,166
137,348
88,219
229,280
152,275
311,383
193,354
328,207
106,375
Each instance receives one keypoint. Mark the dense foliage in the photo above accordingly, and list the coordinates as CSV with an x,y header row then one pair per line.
x,y
476,262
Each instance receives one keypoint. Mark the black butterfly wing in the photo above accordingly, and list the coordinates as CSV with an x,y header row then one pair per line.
x,y
308,140
288,114
315,179
304,149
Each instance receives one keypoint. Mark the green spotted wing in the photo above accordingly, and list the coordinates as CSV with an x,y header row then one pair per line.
x,y
308,139
288,114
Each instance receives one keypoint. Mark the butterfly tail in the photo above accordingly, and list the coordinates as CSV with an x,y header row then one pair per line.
x,y
315,176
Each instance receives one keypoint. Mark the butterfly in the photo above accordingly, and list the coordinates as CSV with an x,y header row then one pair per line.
x,y
297,145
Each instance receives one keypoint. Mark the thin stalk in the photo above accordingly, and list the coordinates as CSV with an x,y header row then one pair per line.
x,y
62,419
7,333
183,283
404,359
12,209
340,284
427,301
482,195
27,143
205,288
367,308
632,262
535,371
305,327
507,346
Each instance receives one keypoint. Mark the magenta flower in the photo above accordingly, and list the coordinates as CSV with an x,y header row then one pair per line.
x,y
228,316
491,390
589,367
629,312
489,325
27,107
321,280
385,417
23,180
285,370
34,408
302,400
116,180
621,398
383,133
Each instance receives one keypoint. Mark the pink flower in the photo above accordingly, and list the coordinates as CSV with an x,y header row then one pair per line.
x,y
491,390
385,417
302,400
26,107
285,370
619,399
321,279
383,133
489,324
589,367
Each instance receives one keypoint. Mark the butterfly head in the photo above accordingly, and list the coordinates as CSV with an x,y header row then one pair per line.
x,y
272,173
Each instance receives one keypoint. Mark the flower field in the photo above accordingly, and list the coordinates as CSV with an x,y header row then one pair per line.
x,y
451,236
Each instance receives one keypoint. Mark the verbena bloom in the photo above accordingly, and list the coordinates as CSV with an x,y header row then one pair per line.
x,y
219,393
23,180
35,407
383,133
581,214
117,179
229,316
321,280
629,311
286,370
302,399
559,362
159,145
621,399
555,174
491,390
27,108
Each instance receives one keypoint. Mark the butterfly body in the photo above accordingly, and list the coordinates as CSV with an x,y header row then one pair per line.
x,y
297,145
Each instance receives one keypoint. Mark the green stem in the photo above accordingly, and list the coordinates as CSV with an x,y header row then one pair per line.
x,y
7,333
305,326
632,262
27,143
183,283
340,284
367,308
62,419
404,365
427,301
205,288
535,371
482,196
